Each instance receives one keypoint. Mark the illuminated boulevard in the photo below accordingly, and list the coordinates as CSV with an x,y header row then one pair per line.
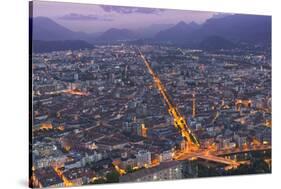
x,y
179,120
130,113
193,151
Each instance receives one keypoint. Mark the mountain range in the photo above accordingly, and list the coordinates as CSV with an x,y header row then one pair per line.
x,y
177,33
216,32
59,45
46,29
236,28
115,34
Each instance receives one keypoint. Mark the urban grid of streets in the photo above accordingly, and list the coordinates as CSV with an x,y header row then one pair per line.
x,y
99,115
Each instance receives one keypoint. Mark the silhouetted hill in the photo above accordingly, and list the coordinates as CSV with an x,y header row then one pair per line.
x,y
236,28
49,46
114,34
179,33
152,30
47,30
216,43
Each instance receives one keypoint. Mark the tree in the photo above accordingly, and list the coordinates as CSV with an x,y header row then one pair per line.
x,y
99,181
259,166
129,169
112,177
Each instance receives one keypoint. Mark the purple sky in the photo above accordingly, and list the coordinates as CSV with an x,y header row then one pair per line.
x,y
96,18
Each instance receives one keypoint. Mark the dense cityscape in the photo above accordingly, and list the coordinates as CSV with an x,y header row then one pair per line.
x,y
132,94
100,118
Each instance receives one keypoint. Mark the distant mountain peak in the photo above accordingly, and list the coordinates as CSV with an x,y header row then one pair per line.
x,y
181,23
177,33
114,34
235,28
184,24
48,30
117,30
193,23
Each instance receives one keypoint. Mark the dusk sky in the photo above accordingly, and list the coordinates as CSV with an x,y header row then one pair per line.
x,y
97,18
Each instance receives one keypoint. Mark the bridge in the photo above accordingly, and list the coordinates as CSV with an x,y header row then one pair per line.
x,y
261,147
194,151
216,155
209,157
179,120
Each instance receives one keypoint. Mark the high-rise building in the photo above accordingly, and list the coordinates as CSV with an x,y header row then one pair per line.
x,y
76,77
143,158
165,171
193,105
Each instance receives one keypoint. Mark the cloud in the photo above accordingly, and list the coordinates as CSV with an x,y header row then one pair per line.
x,y
82,17
130,10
